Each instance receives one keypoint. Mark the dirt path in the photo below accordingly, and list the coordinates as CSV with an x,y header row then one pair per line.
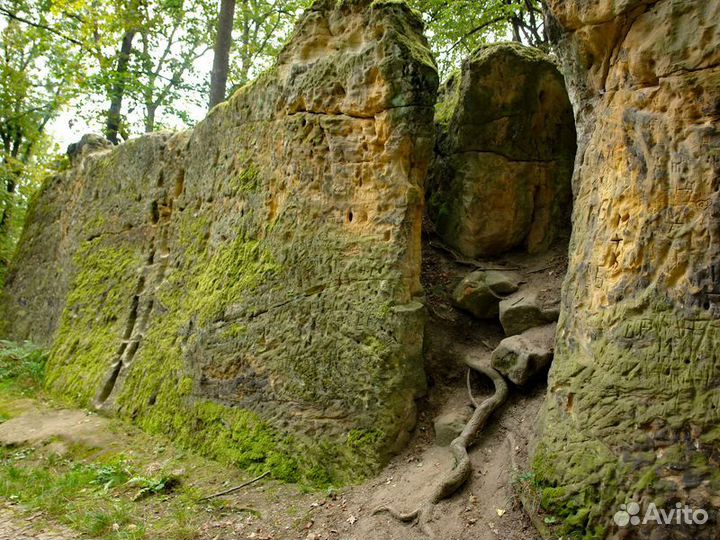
x,y
13,526
485,508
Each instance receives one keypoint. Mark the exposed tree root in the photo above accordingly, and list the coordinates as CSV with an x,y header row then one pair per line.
x,y
458,475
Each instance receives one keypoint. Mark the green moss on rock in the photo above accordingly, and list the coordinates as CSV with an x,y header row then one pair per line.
x,y
91,328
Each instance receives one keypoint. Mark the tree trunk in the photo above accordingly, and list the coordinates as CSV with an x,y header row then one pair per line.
x,y
221,60
10,184
117,91
150,110
7,207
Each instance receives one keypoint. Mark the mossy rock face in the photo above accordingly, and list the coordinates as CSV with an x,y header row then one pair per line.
x,y
633,406
251,288
506,149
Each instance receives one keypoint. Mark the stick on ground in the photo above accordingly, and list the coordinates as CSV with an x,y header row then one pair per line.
x,y
236,488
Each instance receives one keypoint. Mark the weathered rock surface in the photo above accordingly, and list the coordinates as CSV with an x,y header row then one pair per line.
x,y
507,144
527,309
480,292
633,406
450,424
519,358
250,288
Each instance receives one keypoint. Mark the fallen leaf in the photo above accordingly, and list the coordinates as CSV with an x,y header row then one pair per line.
x,y
500,511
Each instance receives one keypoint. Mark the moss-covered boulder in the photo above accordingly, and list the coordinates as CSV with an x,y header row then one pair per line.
x,y
251,288
506,150
633,406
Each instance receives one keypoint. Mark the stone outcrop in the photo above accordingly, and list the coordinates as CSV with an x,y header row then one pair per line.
x,y
519,358
251,288
527,309
450,424
506,147
480,292
633,406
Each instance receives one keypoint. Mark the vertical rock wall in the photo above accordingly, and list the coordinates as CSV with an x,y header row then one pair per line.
x,y
633,406
250,288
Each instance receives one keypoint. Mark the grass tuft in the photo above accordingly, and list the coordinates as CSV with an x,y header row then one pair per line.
x,y
22,367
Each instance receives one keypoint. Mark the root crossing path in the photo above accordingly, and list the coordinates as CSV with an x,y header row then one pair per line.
x,y
462,468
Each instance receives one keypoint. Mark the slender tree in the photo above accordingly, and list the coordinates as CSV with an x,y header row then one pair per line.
x,y
117,89
171,42
221,59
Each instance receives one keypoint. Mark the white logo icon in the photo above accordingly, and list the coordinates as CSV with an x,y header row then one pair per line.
x,y
628,514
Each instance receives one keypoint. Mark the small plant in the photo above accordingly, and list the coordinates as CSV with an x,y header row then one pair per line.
x,y
527,489
111,475
22,366
154,485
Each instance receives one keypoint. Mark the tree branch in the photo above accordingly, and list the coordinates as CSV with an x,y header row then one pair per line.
x,y
50,29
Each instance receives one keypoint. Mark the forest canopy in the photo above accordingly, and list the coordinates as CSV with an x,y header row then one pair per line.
x,y
125,67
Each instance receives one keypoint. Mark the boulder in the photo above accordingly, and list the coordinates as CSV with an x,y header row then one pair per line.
x,y
519,358
480,292
450,424
506,151
88,144
251,287
633,404
526,309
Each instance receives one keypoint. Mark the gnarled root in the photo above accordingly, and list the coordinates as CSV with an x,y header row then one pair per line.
x,y
458,475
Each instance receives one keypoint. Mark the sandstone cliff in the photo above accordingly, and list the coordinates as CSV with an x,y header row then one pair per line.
x,y
633,406
250,288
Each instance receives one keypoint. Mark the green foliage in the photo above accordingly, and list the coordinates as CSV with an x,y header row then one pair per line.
x,y
455,29
260,30
34,85
22,366
108,495
112,474
527,488
153,485
71,492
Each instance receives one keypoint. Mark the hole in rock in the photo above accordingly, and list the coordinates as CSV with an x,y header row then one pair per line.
x,y
154,212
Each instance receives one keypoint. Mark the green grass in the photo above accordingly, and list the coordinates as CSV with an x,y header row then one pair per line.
x,y
106,498
82,496
109,497
22,368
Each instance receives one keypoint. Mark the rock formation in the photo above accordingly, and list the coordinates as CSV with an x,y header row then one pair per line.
x,y
506,148
522,356
480,292
528,308
251,288
633,406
